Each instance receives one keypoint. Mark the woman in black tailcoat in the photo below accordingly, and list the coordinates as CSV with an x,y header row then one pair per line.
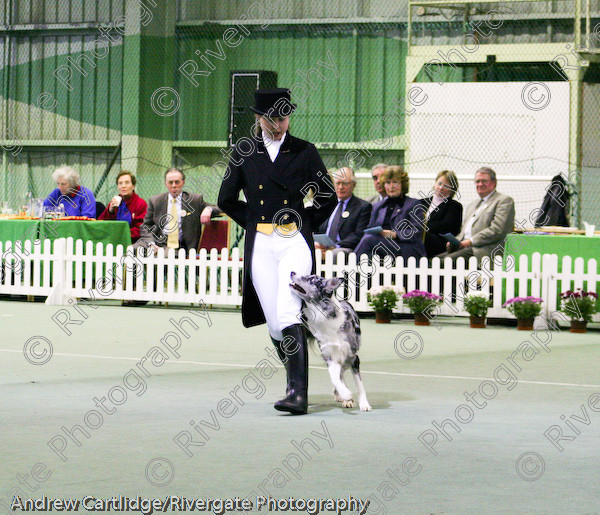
x,y
276,171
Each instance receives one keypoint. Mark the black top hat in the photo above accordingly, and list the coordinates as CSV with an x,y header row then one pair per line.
x,y
273,102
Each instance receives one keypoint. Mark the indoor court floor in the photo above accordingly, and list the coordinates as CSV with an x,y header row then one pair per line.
x,y
107,400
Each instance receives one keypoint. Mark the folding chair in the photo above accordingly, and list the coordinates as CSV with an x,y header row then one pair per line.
x,y
215,235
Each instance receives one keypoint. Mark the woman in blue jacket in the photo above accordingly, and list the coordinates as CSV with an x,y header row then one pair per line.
x,y
76,199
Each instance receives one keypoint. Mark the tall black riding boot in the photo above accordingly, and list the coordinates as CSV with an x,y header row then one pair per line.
x,y
296,401
283,358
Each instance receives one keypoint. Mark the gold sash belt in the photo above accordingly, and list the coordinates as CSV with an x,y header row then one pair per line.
x,y
282,229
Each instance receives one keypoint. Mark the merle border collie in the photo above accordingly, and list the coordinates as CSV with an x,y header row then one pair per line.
x,y
335,326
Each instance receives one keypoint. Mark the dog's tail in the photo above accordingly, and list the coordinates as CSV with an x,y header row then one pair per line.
x,y
312,341
310,338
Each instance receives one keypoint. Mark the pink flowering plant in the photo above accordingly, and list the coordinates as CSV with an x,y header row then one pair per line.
x,y
579,305
383,298
419,301
524,307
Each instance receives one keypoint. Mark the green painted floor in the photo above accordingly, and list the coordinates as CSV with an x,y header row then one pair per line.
x,y
100,416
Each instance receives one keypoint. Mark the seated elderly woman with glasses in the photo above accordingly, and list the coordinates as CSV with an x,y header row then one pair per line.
x,y
76,199
396,225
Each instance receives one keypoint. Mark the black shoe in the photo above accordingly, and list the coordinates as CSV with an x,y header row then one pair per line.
x,y
283,358
296,400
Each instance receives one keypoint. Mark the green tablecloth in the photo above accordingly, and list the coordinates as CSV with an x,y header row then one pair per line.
x,y
108,231
19,230
574,245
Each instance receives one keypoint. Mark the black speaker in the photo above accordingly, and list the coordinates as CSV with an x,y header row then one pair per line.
x,y
243,86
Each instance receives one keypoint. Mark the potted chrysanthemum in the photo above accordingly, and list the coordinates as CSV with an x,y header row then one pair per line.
x,y
525,309
476,304
579,306
421,303
383,300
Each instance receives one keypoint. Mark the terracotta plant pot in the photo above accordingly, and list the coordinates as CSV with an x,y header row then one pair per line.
x,y
578,326
383,317
525,324
477,322
421,319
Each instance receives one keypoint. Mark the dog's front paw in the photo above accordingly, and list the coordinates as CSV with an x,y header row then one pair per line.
x,y
348,404
365,406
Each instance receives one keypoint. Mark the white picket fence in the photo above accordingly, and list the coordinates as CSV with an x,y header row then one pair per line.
x,y
64,270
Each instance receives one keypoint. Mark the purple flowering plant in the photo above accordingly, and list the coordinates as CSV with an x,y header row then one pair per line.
x,y
419,301
524,307
579,305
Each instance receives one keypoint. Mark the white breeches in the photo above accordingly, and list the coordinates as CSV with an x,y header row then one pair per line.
x,y
274,258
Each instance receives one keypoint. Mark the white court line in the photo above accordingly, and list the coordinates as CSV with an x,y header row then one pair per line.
x,y
136,359
399,374
475,378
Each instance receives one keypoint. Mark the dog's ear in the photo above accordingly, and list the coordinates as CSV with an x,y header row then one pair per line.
x,y
332,284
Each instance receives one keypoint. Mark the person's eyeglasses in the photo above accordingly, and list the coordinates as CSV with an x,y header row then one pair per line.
x,y
481,181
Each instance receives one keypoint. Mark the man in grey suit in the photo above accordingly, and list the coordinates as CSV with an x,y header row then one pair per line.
x,y
376,172
487,221
174,219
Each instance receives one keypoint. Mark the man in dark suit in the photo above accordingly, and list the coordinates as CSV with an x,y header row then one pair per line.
x,y
174,219
350,218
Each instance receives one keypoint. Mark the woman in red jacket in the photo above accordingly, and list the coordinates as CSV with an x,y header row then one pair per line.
x,y
127,206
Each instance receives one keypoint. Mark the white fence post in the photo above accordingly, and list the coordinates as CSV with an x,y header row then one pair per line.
x,y
60,293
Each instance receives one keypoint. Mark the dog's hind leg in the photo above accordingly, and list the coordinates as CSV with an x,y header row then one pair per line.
x,y
335,370
335,392
337,395
363,403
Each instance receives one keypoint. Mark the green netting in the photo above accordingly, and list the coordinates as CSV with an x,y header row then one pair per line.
x,y
75,84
